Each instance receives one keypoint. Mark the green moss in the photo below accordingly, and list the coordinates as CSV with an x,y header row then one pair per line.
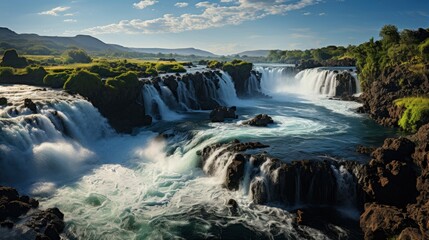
x,y
416,112
127,80
85,83
56,80
214,64
170,67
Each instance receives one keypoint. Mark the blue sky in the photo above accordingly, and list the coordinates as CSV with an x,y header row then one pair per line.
x,y
220,26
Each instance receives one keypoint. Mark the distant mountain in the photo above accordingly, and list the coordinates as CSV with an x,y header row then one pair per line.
x,y
179,51
255,53
36,44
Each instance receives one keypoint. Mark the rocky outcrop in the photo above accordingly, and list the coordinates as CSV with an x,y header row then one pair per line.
x,y
41,224
271,180
260,120
3,101
219,114
396,184
398,82
28,103
346,84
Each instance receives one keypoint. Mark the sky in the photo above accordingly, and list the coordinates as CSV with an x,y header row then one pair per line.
x,y
221,26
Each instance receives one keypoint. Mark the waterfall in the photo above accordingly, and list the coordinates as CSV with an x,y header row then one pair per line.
x,y
48,142
165,103
315,81
226,91
155,105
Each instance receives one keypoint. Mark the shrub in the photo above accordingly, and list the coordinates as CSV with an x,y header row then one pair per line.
x,y
416,112
56,80
77,56
11,59
85,83
424,49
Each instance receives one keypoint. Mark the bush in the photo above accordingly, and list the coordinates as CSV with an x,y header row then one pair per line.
x,y
416,112
77,56
85,83
424,49
11,59
56,80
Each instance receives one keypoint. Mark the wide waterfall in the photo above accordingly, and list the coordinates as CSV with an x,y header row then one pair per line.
x,y
168,96
316,81
47,141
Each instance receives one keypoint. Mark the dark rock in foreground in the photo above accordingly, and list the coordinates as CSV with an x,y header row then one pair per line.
x,y
15,209
260,120
220,113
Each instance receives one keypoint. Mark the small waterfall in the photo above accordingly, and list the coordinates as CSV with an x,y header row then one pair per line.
x,y
155,105
346,186
226,91
252,85
315,81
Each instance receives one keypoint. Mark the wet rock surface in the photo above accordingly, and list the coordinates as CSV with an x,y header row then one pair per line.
x,y
219,114
21,216
260,120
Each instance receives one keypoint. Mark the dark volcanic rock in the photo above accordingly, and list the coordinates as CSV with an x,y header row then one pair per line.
x,y
346,85
3,101
235,172
220,113
28,103
394,83
15,210
382,221
260,120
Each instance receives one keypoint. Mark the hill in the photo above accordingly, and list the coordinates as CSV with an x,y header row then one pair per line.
x,y
46,45
255,53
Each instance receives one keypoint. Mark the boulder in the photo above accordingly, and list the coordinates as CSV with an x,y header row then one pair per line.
x,y
3,101
219,114
382,221
260,120
235,172
28,103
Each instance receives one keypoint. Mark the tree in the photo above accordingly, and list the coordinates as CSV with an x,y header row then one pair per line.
x,y
77,56
11,59
389,34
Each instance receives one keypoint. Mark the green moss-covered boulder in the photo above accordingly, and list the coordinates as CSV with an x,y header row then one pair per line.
x,y
240,73
11,59
77,56
85,83
56,80
170,67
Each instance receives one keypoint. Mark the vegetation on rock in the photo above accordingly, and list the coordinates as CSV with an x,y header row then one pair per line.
x,y
416,112
77,56
85,83
11,59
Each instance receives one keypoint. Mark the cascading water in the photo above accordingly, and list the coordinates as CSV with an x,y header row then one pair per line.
x,y
48,143
315,81
164,104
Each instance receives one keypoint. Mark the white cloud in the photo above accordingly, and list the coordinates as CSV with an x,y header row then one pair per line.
x,y
213,15
306,13
144,4
226,1
69,15
70,20
55,11
322,14
181,4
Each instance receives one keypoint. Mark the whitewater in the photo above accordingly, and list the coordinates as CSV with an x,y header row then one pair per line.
x,y
147,186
